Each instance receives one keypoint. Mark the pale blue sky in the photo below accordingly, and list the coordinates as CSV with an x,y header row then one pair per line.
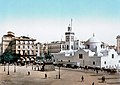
x,y
47,20
59,8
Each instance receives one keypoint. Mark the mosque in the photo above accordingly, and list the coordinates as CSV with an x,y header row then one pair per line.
x,y
92,53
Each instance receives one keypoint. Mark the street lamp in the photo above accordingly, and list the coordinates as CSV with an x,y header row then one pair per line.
x,y
26,64
59,70
14,67
32,66
8,68
4,66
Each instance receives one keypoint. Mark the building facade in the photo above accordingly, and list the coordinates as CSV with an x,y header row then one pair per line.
x,y
6,40
25,46
70,44
91,52
39,49
118,44
54,47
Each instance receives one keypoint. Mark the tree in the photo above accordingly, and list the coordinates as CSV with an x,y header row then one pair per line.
x,y
48,56
9,57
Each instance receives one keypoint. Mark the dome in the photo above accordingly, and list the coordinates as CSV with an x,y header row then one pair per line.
x,y
93,40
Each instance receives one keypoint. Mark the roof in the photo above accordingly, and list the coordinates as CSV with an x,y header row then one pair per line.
x,y
8,36
90,52
118,36
93,39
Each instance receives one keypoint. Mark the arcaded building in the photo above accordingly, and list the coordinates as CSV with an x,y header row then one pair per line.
x,y
25,46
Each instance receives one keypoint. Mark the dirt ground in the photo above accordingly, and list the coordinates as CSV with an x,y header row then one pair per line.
x,y
68,76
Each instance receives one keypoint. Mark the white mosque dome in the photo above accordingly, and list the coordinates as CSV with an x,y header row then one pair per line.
x,y
93,40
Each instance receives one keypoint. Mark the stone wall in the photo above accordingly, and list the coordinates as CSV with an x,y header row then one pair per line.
x,y
49,68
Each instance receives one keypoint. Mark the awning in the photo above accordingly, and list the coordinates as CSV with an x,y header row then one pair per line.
x,y
27,59
19,60
32,59
23,60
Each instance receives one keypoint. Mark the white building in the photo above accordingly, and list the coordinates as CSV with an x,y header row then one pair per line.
x,y
70,45
101,56
92,53
38,49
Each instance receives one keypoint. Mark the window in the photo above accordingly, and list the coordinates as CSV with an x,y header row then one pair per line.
x,y
72,47
18,42
112,55
101,46
62,46
68,60
18,51
28,52
23,46
80,56
105,62
77,43
67,47
67,38
23,42
28,42
18,46
88,46
32,42
32,46
93,62
23,52
32,52
36,47
72,38
119,61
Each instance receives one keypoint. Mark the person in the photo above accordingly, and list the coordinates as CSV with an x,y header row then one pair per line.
x,y
103,79
97,71
45,75
28,72
93,83
82,79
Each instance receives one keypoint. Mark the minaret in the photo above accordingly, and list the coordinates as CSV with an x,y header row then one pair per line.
x,y
69,38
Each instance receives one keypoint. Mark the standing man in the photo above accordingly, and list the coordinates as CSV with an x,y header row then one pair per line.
x,y
93,83
82,79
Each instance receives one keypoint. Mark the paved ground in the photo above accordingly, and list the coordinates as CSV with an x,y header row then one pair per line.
x,y
68,77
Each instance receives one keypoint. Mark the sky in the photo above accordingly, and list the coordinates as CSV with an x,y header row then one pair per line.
x,y
47,20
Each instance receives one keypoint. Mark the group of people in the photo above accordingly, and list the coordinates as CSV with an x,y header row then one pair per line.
x,y
103,79
82,78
